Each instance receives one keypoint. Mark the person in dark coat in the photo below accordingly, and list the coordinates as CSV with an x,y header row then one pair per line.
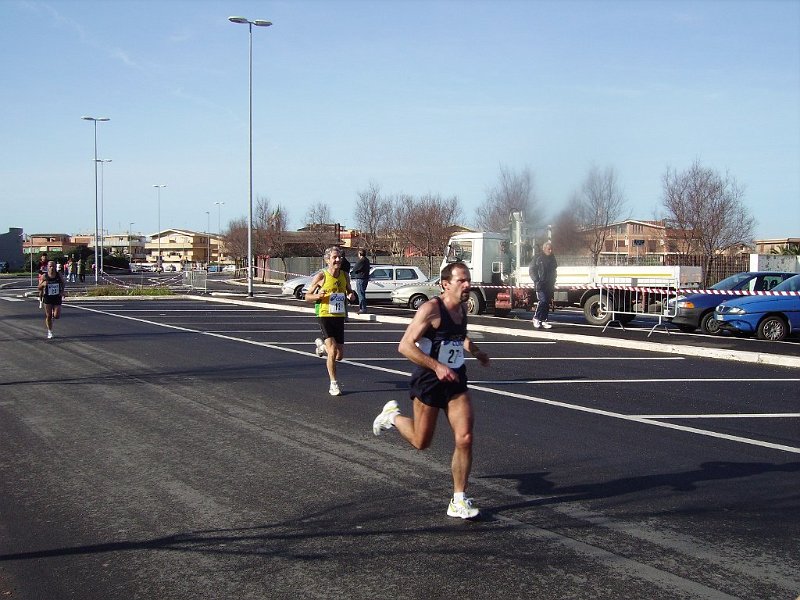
x,y
543,274
360,274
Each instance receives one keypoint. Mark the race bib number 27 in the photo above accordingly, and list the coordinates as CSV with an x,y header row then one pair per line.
x,y
451,353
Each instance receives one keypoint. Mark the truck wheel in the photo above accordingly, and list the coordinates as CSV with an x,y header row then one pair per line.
x,y
708,324
474,304
772,328
595,312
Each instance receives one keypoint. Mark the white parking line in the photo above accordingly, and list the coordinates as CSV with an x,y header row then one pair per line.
x,y
497,392
725,416
662,380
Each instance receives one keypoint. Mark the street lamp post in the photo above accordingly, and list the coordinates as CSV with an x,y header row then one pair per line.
x,y
130,249
257,23
158,191
102,161
219,231
96,215
208,239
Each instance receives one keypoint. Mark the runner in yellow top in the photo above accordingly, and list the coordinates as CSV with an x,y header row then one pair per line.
x,y
330,290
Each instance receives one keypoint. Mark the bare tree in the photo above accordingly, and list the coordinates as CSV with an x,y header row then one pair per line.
x,y
429,223
599,204
707,211
319,214
270,235
513,192
372,215
236,240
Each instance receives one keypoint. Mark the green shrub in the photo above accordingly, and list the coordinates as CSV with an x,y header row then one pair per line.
x,y
115,290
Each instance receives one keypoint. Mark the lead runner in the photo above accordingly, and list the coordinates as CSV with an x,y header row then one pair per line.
x,y
435,341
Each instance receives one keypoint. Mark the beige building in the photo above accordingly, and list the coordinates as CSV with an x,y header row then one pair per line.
x,y
180,247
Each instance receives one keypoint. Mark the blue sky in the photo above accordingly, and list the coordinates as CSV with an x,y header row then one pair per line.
x,y
415,96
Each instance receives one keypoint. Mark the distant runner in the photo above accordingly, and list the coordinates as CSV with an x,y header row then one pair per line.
x,y
51,288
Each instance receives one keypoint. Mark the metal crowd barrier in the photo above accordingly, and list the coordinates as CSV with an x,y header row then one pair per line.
x,y
196,280
625,299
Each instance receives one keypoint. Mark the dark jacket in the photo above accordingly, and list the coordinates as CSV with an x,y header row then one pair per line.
x,y
361,270
542,271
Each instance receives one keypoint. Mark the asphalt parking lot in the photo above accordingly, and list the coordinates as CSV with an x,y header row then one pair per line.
x,y
187,447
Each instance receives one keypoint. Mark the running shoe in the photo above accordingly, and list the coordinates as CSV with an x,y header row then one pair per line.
x,y
536,323
546,325
41,304
462,509
334,389
320,350
49,335
384,420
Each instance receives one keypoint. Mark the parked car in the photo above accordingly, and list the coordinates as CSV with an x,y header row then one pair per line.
x,y
413,295
296,286
695,311
384,279
770,317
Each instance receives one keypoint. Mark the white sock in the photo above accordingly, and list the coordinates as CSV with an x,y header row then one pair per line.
x,y
457,496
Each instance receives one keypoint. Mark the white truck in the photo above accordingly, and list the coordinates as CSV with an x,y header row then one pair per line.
x,y
498,266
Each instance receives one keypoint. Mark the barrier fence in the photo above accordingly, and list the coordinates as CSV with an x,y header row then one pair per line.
x,y
647,298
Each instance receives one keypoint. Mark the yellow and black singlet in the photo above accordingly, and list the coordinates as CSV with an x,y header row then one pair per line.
x,y
335,290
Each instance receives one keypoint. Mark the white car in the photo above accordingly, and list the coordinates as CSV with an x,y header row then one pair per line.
x,y
296,286
384,279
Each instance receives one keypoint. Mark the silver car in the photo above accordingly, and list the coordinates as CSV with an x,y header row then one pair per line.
x,y
296,286
414,295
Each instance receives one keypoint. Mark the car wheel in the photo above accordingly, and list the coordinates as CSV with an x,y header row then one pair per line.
x,y
416,301
298,292
709,325
772,328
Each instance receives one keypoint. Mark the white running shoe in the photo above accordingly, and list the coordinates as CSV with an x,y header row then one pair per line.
x,y
384,420
334,389
41,304
320,347
49,334
546,325
462,509
536,323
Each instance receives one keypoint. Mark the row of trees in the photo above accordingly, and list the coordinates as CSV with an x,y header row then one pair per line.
x,y
704,208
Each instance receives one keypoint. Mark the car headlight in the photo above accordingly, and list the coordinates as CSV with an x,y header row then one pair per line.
x,y
685,304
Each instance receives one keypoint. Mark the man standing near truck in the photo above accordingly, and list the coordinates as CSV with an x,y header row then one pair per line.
x,y
542,271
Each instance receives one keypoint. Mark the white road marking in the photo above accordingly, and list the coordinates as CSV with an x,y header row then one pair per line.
x,y
660,380
483,388
725,416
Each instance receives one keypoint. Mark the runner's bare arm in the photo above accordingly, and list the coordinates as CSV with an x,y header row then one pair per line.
x,y
476,352
426,316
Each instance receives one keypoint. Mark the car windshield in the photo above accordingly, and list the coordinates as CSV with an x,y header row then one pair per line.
x,y
733,282
790,285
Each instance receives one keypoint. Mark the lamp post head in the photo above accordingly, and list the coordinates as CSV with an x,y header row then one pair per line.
x,y
244,20
162,185
95,118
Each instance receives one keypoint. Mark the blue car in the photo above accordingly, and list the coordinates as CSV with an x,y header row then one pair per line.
x,y
770,317
697,310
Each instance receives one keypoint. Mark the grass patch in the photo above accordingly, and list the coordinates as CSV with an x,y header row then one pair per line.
x,y
115,290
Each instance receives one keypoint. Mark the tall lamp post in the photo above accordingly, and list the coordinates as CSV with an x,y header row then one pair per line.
x,y
102,161
208,239
257,23
219,231
96,215
158,191
130,249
